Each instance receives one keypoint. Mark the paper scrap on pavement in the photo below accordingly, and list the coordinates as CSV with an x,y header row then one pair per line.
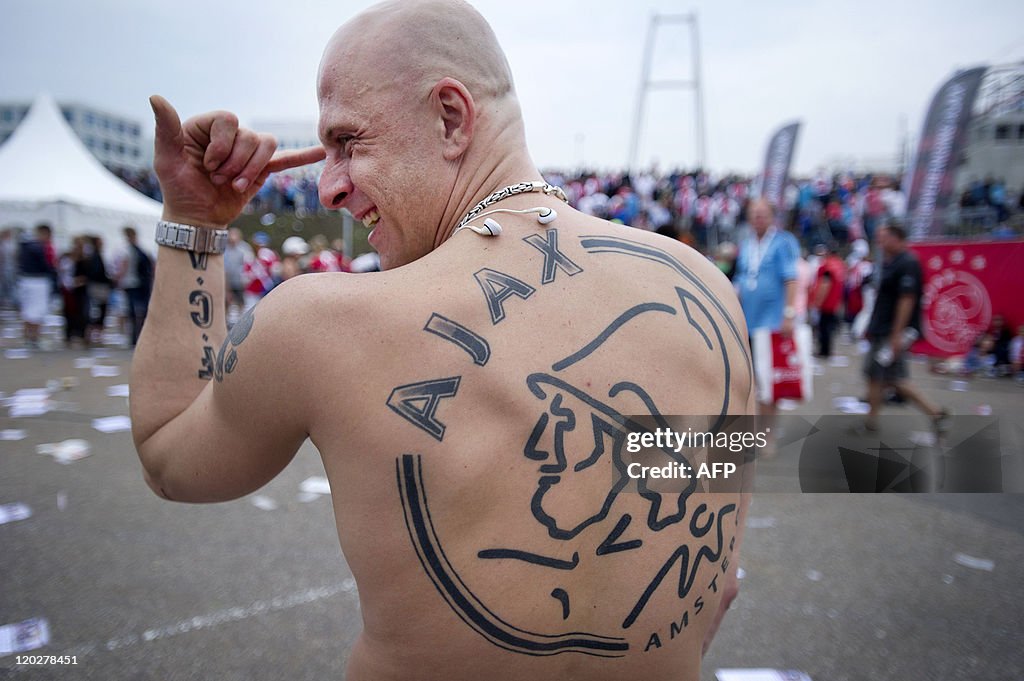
x,y
760,675
922,438
104,371
958,386
17,353
983,410
264,503
66,451
22,636
85,362
740,573
11,512
119,390
112,424
20,410
12,435
839,361
850,405
315,485
760,523
31,394
814,575
62,501
28,402
976,563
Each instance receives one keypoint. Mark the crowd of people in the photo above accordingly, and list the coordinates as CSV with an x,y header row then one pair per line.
x,y
834,219
88,285
252,269
92,283
991,193
700,208
706,210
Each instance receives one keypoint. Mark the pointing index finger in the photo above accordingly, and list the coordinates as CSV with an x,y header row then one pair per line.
x,y
294,158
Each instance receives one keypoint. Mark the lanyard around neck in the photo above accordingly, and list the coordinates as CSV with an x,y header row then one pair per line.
x,y
759,251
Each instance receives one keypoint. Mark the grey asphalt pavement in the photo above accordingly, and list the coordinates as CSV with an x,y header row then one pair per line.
x,y
841,587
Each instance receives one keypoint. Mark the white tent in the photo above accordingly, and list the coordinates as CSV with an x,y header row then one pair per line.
x,y
47,175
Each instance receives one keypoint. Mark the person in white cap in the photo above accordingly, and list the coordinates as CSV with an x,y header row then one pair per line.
x,y
293,251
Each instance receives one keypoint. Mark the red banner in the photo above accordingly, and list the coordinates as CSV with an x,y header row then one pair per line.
x,y
965,285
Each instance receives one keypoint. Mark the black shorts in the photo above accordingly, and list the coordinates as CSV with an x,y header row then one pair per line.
x,y
893,373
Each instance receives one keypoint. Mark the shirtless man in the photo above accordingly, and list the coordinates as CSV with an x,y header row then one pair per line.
x,y
471,401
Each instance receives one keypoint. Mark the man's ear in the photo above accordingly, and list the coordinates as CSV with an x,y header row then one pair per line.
x,y
457,112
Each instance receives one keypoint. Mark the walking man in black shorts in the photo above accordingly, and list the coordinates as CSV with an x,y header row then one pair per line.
x,y
895,324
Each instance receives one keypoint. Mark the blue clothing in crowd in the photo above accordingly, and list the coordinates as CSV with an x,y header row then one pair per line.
x,y
762,285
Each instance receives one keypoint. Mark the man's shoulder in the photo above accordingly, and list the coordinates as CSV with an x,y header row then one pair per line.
x,y
673,255
907,261
787,239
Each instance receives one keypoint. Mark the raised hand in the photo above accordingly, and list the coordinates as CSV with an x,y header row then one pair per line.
x,y
209,167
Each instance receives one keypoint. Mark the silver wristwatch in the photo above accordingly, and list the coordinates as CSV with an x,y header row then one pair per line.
x,y
191,238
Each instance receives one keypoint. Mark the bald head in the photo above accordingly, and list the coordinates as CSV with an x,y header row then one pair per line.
x,y
761,215
418,117
418,42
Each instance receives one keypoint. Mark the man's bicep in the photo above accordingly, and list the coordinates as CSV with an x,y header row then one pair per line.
x,y
243,428
211,453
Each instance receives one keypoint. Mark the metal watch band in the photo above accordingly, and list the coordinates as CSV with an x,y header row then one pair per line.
x,y
191,238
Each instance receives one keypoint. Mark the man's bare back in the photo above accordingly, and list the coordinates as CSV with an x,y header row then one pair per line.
x,y
471,404
472,465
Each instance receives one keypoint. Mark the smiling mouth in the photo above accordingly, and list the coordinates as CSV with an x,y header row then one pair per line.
x,y
371,218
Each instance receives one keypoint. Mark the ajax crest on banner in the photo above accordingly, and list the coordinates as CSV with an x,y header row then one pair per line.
x,y
956,307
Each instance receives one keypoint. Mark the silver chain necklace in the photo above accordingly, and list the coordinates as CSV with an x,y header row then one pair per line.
x,y
512,190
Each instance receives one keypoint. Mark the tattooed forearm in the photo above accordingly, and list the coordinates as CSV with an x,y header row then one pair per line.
x,y
201,315
199,260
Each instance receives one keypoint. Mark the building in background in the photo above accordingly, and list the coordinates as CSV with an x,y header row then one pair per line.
x,y
292,135
116,141
995,140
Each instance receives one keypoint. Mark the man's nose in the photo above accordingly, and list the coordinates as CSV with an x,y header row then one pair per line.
x,y
335,185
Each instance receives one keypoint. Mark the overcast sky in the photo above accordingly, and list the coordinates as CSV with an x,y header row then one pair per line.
x,y
848,70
